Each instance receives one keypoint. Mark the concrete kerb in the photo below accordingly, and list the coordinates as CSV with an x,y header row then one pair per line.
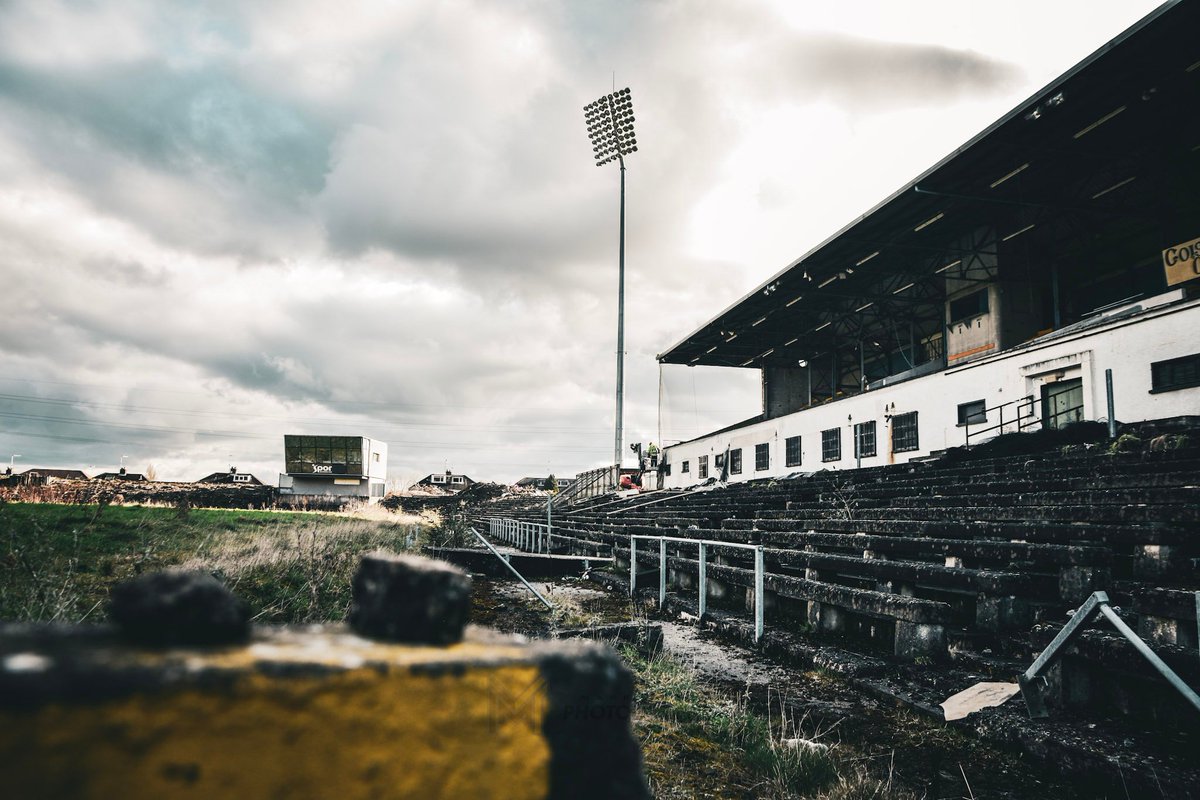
x,y
315,711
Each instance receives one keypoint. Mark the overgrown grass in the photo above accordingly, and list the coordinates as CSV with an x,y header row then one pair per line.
x,y
58,562
695,739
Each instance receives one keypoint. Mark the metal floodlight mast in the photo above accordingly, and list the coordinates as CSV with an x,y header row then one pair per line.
x,y
610,127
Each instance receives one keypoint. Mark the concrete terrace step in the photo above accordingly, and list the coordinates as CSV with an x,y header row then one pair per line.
x,y
1097,534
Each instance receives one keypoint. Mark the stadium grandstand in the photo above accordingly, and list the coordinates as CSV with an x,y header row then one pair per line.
x,y
994,292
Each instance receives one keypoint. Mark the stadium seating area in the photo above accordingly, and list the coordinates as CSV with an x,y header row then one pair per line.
x,y
964,553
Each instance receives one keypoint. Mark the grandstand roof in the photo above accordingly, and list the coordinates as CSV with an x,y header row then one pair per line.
x,y
1106,153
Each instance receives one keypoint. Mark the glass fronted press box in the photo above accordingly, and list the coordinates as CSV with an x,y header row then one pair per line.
x,y
326,455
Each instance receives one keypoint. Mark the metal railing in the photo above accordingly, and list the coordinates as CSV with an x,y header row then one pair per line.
x,y
999,427
1033,683
587,484
1023,416
702,544
504,559
533,537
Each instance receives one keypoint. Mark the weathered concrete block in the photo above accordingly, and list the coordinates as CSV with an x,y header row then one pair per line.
x,y
830,618
914,640
1155,561
178,607
1165,630
404,598
314,713
1076,583
998,614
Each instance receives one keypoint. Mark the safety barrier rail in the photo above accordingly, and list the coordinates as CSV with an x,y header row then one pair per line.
x,y
586,485
703,545
1024,416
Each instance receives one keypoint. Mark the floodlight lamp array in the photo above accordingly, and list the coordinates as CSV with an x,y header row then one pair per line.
x,y
610,126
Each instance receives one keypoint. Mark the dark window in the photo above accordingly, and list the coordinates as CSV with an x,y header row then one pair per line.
x,y
969,306
686,468
665,467
831,444
972,413
1177,373
735,461
792,451
702,467
904,433
762,456
864,439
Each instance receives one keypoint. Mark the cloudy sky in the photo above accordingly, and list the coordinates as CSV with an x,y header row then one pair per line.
x,y
222,222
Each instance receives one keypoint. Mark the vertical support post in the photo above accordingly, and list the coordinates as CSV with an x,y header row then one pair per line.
x,y
632,565
1054,294
1001,420
759,615
618,445
549,506
862,367
1198,617
703,604
662,571
1112,414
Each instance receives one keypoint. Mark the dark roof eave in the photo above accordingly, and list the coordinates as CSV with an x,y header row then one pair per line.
x,y
1012,115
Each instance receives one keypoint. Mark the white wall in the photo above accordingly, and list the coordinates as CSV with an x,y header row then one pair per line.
x,y
1126,346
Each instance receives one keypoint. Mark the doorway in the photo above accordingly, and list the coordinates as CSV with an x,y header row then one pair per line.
x,y
1062,403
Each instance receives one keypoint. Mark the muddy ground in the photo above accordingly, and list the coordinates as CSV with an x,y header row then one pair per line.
x,y
924,756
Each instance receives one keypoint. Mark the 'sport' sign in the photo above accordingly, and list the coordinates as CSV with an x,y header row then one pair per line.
x,y
1182,262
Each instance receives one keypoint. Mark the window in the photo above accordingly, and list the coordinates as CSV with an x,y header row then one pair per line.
x,y
904,433
762,456
969,306
375,457
831,444
458,479
702,467
792,451
685,467
241,477
1177,373
438,478
864,439
735,461
972,413
666,468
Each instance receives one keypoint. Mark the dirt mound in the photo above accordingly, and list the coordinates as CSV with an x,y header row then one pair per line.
x,y
414,503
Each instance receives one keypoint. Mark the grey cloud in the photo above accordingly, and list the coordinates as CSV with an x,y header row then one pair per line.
x,y
874,76
181,120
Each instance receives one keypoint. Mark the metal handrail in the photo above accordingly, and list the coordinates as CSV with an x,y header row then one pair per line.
x,y
1033,684
702,544
1025,417
513,569
999,426
534,537
584,481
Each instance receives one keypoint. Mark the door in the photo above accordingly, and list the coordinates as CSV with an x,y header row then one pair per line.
x,y
1062,403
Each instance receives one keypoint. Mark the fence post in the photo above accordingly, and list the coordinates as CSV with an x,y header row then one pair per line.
x,y
662,571
632,564
758,593
703,606
1112,414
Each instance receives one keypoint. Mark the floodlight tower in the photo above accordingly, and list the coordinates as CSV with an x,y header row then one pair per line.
x,y
610,126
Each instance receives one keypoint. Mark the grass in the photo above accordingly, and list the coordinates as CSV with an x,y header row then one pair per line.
x,y
58,562
698,742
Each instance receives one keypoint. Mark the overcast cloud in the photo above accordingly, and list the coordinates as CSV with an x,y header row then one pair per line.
x,y
227,221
